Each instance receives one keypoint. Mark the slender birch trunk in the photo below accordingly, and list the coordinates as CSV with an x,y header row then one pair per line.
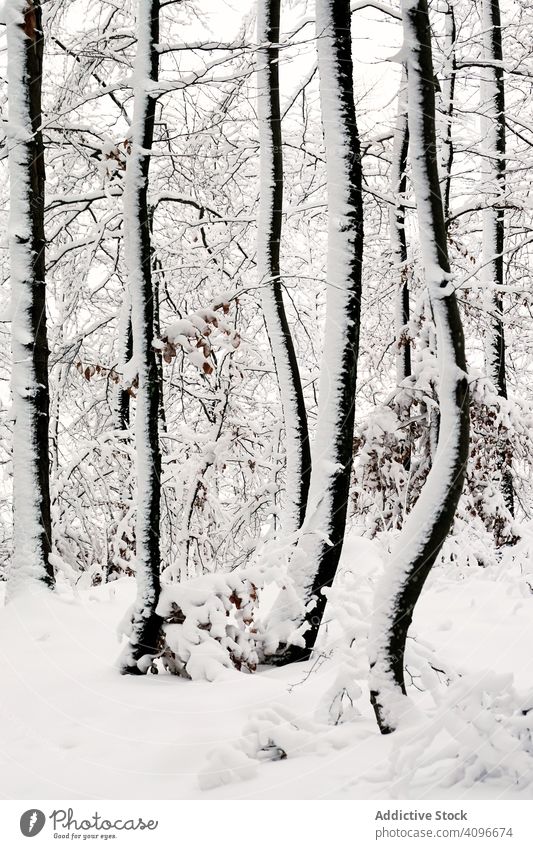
x,y
268,261
430,520
493,127
398,180
317,554
31,484
146,624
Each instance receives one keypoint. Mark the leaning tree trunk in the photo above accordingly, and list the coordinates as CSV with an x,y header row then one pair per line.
x,y
146,624
31,483
493,125
268,262
449,74
316,557
429,522
398,183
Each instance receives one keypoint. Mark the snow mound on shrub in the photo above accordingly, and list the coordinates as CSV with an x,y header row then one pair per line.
x,y
209,626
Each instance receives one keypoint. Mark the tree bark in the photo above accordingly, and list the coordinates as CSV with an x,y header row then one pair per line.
x,y
493,126
31,481
146,624
157,274
316,557
123,402
268,255
448,96
429,522
398,179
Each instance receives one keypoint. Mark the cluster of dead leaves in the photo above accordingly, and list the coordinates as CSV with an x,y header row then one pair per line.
x,y
194,337
90,370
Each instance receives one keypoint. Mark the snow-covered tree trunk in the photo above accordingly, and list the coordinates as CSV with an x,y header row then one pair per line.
x,y
31,486
146,624
268,266
398,182
157,272
493,130
125,349
428,524
448,97
316,557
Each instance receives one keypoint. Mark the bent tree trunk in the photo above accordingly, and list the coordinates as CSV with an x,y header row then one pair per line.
x,y
493,125
429,522
268,262
316,557
146,625
31,484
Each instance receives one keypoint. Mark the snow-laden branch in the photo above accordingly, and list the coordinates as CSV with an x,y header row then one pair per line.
x,y
357,5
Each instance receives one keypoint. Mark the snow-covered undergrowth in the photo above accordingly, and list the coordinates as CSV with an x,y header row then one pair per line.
x,y
208,624
71,726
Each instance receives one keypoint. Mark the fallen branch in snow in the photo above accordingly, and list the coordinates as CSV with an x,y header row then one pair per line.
x,y
273,733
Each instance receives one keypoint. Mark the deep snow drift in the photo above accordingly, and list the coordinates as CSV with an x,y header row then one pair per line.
x,y
72,727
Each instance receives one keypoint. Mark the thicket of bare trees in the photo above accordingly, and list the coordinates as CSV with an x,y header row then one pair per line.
x,y
244,252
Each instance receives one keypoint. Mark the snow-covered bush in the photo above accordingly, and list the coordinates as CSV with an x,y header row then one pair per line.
x,y
500,442
394,445
208,626
473,729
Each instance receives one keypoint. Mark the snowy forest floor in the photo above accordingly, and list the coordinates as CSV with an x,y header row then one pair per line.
x,y
72,727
